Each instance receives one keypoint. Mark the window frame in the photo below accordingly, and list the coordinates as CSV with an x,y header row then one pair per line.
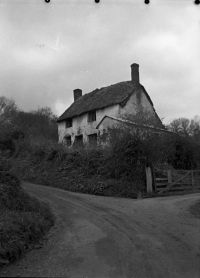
x,y
68,140
78,143
92,117
68,123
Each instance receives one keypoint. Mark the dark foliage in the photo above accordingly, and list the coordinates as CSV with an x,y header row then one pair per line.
x,y
116,170
19,128
23,219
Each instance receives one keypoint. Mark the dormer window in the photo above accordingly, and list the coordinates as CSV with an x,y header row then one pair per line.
x,y
68,123
92,116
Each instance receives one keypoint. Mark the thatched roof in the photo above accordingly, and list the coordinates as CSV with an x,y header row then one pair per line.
x,y
100,98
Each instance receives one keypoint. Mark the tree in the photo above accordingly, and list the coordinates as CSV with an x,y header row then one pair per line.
x,y
8,109
37,125
45,112
17,127
186,127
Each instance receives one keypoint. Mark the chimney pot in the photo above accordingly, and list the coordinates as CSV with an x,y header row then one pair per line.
x,y
135,73
77,94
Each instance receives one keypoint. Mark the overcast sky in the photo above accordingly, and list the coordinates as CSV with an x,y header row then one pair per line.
x,y
47,50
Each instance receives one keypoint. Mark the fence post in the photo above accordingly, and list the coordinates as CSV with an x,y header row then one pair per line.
x,y
192,173
149,180
169,176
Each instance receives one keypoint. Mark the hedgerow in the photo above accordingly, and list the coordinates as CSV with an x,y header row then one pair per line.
x,y
23,219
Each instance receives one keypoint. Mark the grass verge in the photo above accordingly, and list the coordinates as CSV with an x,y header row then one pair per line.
x,y
195,209
23,219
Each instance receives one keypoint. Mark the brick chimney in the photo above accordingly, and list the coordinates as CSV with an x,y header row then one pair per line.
x,y
135,73
77,94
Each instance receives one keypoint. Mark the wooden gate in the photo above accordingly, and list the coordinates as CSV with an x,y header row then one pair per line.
x,y
176,181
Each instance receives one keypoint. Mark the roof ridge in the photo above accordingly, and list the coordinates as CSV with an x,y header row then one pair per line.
x,y
106,87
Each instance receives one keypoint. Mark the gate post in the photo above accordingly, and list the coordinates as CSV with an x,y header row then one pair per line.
x,y
169,176
192,173
149,179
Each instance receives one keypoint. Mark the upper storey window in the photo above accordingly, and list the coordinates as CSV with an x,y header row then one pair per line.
x,y
68,123
92,116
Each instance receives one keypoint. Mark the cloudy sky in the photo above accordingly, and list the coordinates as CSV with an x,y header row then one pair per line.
x,y
47,50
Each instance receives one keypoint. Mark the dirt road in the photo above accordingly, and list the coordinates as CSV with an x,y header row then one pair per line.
x,y
113,237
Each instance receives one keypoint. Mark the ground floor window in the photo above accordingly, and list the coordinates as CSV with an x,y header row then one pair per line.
x,y
92,139
78,140
68,140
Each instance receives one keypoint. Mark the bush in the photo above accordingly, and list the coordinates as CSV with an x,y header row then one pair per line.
x,y
133,149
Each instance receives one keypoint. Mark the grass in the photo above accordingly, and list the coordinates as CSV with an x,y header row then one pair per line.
x,y
23,219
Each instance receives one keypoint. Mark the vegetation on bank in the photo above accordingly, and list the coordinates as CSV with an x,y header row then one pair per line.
x,y
29,141
23,219
87,171
116,170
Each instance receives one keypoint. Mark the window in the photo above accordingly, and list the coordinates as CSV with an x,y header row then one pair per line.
x,y
92,116
68,140
78,141
92,139
68,123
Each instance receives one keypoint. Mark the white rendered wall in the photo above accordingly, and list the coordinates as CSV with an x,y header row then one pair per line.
x,y
80,124
136,103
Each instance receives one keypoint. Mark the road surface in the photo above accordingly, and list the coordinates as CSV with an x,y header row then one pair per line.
x,y
101,237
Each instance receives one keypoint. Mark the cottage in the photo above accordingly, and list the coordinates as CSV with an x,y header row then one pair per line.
x,y
91,114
